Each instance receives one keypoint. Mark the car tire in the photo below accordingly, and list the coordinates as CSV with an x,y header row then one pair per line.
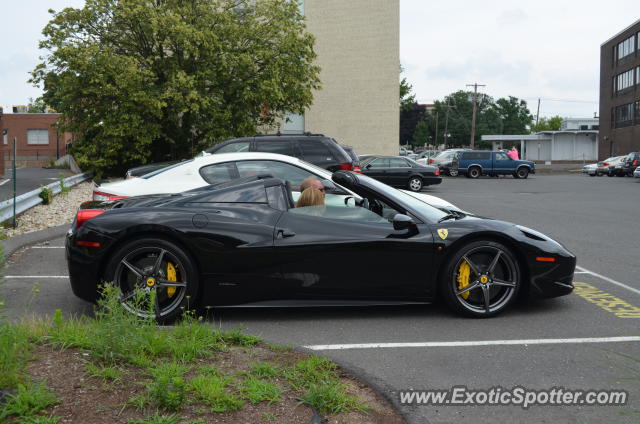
x,y
592,175
620,175
599,174
609,174
415,184
174,280
453,172
522,172
474,172
501,284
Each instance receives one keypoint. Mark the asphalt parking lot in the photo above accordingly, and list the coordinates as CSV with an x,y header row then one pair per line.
x,y
589,340
28,179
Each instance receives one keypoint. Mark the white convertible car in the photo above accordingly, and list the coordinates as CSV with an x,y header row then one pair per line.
x,y
215,169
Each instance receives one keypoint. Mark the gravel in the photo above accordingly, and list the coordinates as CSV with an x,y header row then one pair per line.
x,y
60,211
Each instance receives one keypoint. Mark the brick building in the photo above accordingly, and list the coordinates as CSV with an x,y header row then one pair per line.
x,y
38,139
620,93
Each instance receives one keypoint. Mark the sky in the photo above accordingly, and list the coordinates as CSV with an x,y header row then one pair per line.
x,y
528,49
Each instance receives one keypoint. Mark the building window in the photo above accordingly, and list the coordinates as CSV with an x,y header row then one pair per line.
x,y
37,136
623,115
624,80
626,47
637,112
5,139
638,75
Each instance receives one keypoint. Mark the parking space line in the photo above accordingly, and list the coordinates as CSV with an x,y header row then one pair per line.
x,y
47,247
606,301
609,280
521,342
35,276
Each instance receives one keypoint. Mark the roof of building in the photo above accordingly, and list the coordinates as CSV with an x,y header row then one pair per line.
x,y
624,30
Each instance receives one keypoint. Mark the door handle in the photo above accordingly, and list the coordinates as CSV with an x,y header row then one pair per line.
x,y
282,233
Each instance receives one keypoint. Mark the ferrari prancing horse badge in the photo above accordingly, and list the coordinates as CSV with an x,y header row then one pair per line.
x,y
443,233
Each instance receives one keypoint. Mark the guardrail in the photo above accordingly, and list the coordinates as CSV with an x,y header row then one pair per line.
x,y
32,198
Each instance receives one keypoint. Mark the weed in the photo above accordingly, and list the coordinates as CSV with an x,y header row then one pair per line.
x,y
46,194
212,391
332,398
236,337
112,373
28,400
269,416
168,390
313,370
139,401
264,370
14,351
63,189
256,390
157,419
39,419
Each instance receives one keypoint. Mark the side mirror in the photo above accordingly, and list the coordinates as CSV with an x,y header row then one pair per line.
x,y
350,202
403,222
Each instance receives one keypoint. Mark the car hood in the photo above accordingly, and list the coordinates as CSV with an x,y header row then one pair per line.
x,y
433,200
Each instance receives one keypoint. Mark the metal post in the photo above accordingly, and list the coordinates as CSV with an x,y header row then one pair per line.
x,y
473,115
15,141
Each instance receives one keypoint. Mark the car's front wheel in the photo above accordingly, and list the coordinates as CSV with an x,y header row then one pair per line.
x,y
474,172
481,280
522,172
157,278
415,183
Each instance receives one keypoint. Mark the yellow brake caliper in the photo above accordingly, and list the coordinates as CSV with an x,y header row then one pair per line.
x,y
463,278
171,276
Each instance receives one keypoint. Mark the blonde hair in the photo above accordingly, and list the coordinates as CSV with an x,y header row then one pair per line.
x,y
310,197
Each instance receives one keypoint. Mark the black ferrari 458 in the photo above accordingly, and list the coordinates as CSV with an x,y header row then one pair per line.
x,y
245,243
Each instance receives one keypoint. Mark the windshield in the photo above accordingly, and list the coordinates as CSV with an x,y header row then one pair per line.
x,y
430,213
166,168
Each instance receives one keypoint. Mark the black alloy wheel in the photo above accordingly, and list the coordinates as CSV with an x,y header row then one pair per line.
x,y
157,279
474,172
481,280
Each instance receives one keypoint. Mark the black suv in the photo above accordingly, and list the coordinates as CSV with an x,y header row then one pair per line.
x,y
317,149
630,163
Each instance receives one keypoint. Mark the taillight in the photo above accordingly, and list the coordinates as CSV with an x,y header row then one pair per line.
x,y
635,162
106,197
357,169
346,166
431,160
437,172
86,214
605,164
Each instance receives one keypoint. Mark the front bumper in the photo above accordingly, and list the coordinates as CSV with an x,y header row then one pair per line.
x,y
553,281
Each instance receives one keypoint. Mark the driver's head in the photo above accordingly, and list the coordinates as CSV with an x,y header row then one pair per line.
x,y
311,182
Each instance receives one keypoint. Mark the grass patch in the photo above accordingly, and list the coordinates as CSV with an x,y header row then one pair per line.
x,y
256,390
310,371
28,401
212,390
110,373
332,398
264,370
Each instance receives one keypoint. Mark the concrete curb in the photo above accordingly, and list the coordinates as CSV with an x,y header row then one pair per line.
x,y
14,243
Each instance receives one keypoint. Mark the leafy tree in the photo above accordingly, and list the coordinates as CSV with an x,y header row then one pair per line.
x,y
407,99
514,114
36,106
140,80
421,134
548,124
409,119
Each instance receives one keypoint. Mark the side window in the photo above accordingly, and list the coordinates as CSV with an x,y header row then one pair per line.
x,y
484,156
218,173
315,151
240,146
379,163
283,147
501,156
398,163
282,170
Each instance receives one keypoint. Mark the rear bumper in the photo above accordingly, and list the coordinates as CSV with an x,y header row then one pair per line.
x,y
428,180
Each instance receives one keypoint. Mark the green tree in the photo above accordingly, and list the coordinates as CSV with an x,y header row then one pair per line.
x,y
37,105
548,124
514,114
421,134
140,80
407,98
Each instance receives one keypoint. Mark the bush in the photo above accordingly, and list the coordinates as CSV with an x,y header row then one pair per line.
x,y
46,194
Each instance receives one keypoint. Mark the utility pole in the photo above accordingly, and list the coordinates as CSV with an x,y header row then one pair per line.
x,y
446,125
436,127
538,112
475,107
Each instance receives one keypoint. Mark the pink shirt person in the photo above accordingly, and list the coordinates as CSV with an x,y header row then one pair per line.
x,y
513,154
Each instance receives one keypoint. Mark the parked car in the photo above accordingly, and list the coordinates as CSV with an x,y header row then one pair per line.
x,y
246,244
603,167
630,163
425,155
146,169
474,163
399,171
636,173
445,161
404,151
616,170
353,155
222,168
317,149
590,169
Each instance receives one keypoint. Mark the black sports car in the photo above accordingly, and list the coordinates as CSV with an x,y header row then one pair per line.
x,y
400,171
245,243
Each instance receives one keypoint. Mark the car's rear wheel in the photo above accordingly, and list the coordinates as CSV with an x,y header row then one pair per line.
x,y
415,183
609,174
157,279
474,172
481,280
592,175
453,172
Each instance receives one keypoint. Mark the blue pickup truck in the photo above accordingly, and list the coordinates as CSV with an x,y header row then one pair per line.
x,y
474,163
